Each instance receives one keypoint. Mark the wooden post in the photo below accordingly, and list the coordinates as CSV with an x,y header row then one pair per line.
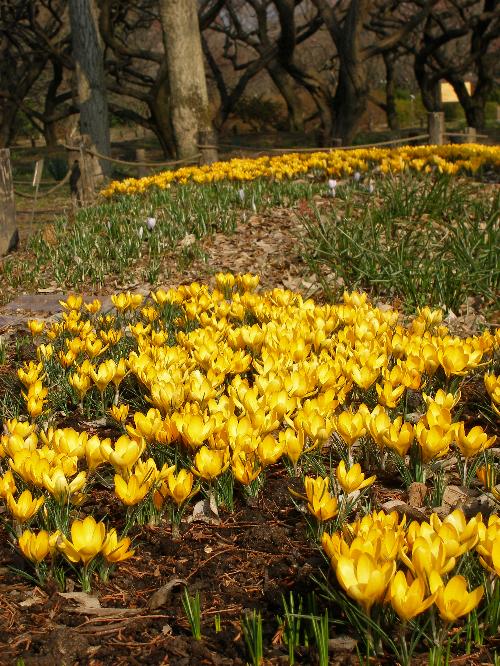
x,y
86,172
207,141
140,156
471,135
9,235
435,121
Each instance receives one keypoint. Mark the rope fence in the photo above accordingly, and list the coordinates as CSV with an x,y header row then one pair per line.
x,y
418,137
465,135
150,165
79,150
40,195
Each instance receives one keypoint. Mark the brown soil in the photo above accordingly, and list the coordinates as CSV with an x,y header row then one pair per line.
x,y
246,562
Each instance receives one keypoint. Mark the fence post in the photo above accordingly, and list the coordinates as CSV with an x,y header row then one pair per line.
x,y
140,156
435,121
86,172
471,134
207,141
9,235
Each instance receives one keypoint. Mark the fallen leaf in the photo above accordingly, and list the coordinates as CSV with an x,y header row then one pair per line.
x,y
84,599
205,511
163,594
90,605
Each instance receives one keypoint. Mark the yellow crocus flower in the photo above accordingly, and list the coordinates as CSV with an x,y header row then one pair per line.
x,y
125,452
321,503
364,579
180,486
389,395
146,425
210,463
453,600
7,484
58,486
131,492
30,373
474,442
269,450
103,375
434,442
116,550
35,546
87,540
25,507
245,467
81,384
407,596
352,480
195,428
429,555
350,426
293,443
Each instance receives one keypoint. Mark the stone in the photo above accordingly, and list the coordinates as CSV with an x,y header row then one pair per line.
x,y
455,496
404,509
485,504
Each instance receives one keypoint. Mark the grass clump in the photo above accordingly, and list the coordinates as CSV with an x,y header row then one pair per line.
x,y
423,240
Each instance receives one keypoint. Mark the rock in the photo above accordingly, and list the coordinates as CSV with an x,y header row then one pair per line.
x,y
455,496
404,509
342,644
416,494
484,504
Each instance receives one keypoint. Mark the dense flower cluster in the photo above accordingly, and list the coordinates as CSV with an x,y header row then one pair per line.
x,y
381,560
237,380
451,159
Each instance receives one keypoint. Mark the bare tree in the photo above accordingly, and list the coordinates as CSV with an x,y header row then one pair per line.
x,y
190,112
252,45
33,35
460,41
91,83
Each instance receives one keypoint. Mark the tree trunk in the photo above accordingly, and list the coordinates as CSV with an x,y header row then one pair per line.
x,y
49,125
8,113
186,74
428,84
9,236
350,101
89,64
159,106
390,96
351,97
287,91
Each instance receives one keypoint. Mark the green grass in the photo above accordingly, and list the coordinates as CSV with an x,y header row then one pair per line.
x,y
424,240
110,241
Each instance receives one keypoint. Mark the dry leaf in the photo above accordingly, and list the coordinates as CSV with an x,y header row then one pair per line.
x,y
163,594
205,511
90,605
